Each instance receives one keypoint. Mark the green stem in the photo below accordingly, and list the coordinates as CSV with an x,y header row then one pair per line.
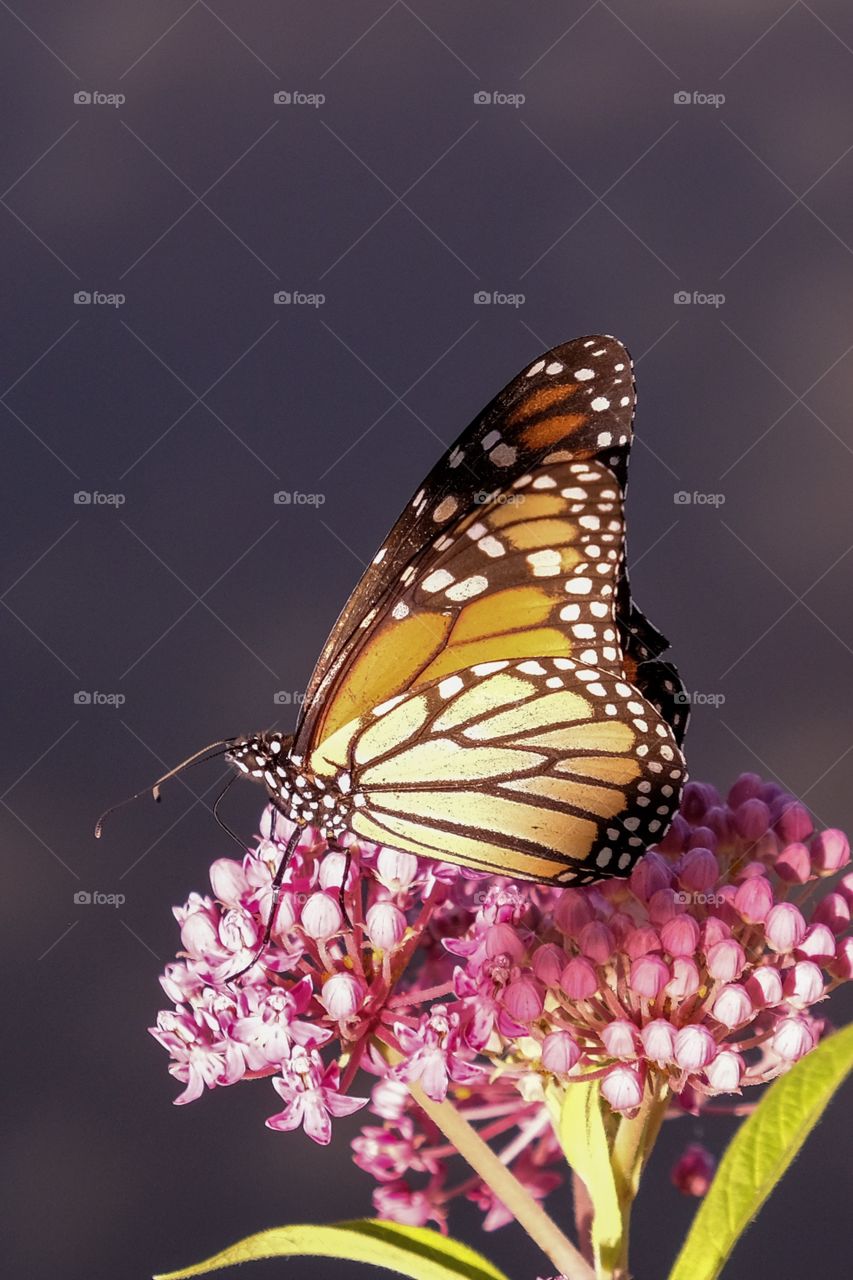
x,y
521,1204
632,1146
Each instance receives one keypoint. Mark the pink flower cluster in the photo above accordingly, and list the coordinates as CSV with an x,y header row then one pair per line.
x,y
700,971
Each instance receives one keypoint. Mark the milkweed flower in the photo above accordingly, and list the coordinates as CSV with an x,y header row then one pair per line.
x,y
699,976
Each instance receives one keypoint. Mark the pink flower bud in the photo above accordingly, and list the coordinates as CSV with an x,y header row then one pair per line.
x,y
719,820
792,822
702,838
622,1087
724,1074
523,1000
725,960
641,941
228,881
321,916
579,979
754,899
560,1053
845,888
343,995
620,1038
685,979
733,1006
596,942
803,984
842,966
830,851
794,864
751,819
680,936
747,787
389,1099
699,870
650,874
695,1047
663,905
714,930
573,911
834,912
676,837
386,925
784,927
331,871
765,987
396,870
693,1171
658,1039
548,963
649,976
818,944
696,799
793,1039
503,940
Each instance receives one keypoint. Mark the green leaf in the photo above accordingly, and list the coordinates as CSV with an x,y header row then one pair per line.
x,y
585,1143
760,1152
409,1251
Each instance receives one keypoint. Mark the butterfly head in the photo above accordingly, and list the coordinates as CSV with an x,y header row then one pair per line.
x,y
261,754
290,785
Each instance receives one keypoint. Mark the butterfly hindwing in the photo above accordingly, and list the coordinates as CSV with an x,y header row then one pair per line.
x,y
542,769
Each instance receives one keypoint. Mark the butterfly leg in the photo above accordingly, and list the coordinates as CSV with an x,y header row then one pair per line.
x,y
333,848
276,894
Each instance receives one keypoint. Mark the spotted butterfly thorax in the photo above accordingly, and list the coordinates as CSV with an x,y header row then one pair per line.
x,y
490,695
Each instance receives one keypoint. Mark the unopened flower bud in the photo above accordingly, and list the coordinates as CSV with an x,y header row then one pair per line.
x,y
794,864
725,960
622,1087
747,787
834,912
596,942
641,941
680,936
560,1053
724,1074
765,986
385,924
842,966
685,979
396,870
650,874
579,979
733,1006
754,898
695,1047
548,962
803,984
573,911
658,1039
793,822
751,819
699,870
818,944
693,1171
784,927
523,1000
793,1039
830,851
343,995
321,916
649,976
503,940
620,1038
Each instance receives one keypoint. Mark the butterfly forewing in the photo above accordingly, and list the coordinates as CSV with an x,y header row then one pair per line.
x,y
578,399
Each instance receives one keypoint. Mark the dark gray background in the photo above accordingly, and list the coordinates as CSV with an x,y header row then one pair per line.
x,y
398,198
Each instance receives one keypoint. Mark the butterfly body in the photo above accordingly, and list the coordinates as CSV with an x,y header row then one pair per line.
x,y
491,695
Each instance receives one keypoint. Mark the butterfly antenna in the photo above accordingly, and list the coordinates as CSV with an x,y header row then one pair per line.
x,y
219,821
210,752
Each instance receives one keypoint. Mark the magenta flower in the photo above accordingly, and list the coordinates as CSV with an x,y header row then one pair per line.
x,y
698,977
311,1094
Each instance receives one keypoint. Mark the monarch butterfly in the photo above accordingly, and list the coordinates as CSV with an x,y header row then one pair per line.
x,y
490,694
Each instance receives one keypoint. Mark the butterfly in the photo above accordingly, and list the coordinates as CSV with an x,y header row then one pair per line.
x,y
490,695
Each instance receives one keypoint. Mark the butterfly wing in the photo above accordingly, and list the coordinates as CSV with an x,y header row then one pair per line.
x,y
574,403
543,769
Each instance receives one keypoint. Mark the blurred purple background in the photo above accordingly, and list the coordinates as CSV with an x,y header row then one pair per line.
x,y
192,397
